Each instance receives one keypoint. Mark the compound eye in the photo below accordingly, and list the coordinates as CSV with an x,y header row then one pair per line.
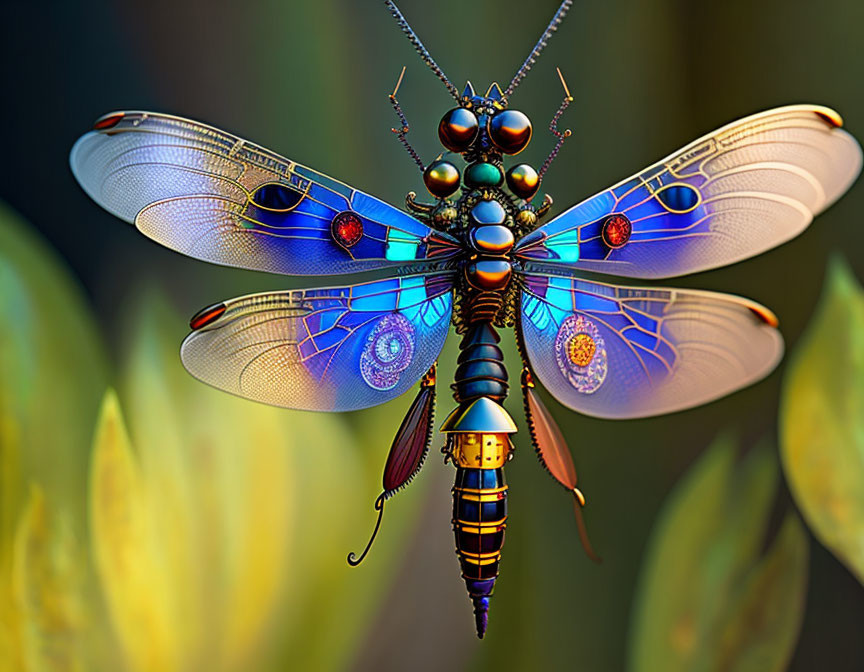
x,y
510,131
457,129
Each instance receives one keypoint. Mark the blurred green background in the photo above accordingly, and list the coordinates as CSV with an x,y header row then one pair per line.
x,y
214,535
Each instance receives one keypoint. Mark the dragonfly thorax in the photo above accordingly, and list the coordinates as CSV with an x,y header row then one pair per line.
x,y
490,242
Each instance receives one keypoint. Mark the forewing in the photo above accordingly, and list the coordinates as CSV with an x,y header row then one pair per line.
x,y
333,349
730,195
216,197
628,352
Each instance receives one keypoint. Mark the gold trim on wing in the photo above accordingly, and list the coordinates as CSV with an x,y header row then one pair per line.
x,y
659,191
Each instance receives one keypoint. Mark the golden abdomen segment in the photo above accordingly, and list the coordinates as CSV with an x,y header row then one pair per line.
x,y
479,512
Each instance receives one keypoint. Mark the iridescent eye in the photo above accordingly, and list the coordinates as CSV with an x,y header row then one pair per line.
x,y
510,131
457,129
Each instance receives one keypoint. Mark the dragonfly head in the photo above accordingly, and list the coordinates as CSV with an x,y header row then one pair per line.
x,y
483,124
482,130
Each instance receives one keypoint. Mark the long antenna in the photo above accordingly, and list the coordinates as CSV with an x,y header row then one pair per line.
x,y
418,46
541,44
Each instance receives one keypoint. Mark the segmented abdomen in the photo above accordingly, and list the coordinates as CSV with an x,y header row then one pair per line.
x,y
479,519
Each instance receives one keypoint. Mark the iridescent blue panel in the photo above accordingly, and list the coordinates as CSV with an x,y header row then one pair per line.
x,y
730,195
332,349
613,351
575,237
213,196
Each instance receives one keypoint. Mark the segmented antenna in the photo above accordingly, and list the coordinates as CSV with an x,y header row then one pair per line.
x,y
553,127
418,46
403,130
541,44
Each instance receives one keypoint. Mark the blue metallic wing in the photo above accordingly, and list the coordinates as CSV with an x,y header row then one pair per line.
x,y
628,352
730,195
332,349
216,197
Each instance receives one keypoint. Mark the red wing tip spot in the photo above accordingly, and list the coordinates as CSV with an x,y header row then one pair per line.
x,y
207,315
830,117
108,121
766,316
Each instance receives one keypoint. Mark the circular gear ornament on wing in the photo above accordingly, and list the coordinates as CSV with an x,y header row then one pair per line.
x,y
388,351
581,354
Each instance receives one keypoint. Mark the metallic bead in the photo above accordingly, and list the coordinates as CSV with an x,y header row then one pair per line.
x,y
487,211
488,274
527,217
523,181
458,129
510,131
494,239
483,174
441,178
446,215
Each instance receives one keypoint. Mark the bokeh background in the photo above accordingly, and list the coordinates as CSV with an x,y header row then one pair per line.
x,y
149,523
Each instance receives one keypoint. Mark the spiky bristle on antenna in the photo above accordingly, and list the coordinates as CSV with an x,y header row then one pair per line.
x,y
541,44
418,46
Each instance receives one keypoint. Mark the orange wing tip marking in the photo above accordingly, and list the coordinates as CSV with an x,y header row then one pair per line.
x,y
207,316
108,121
830,117
765,315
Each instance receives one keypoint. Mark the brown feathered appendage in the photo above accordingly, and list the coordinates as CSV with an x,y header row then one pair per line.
x,y
407,453
553,453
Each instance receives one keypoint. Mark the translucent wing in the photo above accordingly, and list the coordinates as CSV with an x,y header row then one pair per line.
x,y
216,197
333,349
627,352
733,194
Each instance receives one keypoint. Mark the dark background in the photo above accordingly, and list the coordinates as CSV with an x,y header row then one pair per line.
x,y
310,80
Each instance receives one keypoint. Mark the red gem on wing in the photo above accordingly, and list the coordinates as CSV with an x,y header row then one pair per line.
x,y
346,228
616,231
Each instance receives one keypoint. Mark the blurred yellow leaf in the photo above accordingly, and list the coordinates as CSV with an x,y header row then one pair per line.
x,y
259,507
47,579
698,581
822,420
126,550
52,374
10,479
52,369
220,471
763,623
